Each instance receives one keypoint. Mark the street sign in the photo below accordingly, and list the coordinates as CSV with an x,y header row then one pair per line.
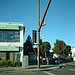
x,y
18,56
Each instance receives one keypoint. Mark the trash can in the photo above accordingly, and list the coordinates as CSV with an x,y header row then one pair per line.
x,y
25,61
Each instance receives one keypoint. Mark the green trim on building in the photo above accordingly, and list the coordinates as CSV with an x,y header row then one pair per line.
x,y
9,48
9,27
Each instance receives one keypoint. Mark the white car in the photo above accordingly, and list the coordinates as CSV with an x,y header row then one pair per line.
x,y
57,60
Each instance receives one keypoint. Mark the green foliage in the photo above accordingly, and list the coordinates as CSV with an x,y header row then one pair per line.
x,y
67,50
44,49
28,46
10,63
1,63
7,63
61,48
17,63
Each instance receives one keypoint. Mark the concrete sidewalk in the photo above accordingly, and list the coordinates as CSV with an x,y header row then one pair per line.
x,y
29,69
43,67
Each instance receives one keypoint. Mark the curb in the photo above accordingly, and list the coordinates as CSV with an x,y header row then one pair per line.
x,y
20,69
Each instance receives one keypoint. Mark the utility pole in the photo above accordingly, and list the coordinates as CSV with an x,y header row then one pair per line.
x,y
39,27
38,34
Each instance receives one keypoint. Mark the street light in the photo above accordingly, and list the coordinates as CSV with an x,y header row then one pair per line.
x,y
43,24
42,37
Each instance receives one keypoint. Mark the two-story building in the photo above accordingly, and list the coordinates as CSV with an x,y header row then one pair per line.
x,y
11,40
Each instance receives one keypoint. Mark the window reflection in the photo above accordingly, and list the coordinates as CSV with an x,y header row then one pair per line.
x,y
9,36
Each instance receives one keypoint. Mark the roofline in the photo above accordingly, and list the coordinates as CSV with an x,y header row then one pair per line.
x,y
13,22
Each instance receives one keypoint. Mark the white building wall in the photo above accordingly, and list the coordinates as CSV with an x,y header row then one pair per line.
x,y
73,53
20,44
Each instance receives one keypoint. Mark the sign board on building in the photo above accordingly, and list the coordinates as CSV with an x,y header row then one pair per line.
x,y
18,56
9,27
9,48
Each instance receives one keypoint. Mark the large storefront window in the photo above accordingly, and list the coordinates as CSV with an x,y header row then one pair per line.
x,y
9,36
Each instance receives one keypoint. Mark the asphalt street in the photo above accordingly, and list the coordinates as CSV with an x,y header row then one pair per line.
x,y
62,71
67,69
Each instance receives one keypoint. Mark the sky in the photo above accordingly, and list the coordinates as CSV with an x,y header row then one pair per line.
x,y
60,18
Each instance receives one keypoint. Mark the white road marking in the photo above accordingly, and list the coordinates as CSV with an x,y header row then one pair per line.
x,y
63,64
72,69
48,73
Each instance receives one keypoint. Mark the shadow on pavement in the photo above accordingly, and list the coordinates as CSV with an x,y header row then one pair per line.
x,y
6,70
67,61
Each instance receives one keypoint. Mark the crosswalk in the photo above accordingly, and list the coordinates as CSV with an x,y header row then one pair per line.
x,y
48,73
72,69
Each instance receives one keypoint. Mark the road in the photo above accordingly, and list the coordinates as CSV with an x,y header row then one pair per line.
x,y
62,71
67,69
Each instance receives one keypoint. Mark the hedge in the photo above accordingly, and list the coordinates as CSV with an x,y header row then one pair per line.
x,y
9,63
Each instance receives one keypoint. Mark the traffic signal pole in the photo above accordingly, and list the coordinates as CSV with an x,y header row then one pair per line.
x,y
44,14
39,27
38,34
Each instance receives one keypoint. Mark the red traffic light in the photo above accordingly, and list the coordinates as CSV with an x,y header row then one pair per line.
x,y
34,36
34,31
35,49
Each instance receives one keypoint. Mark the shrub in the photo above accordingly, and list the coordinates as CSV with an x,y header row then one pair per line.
x,y
1,64
17,63
10,63
5,63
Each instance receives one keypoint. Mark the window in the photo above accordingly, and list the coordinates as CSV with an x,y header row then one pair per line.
x,y
9,36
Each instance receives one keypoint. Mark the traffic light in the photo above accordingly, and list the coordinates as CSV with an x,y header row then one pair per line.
x,y
35,49
34,36
40,41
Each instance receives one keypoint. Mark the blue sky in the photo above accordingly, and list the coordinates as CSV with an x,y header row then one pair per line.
x,y
60,18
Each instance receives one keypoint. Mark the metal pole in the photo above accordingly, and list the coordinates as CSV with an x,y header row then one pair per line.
x,y
39,27
14,59
45,14
38,34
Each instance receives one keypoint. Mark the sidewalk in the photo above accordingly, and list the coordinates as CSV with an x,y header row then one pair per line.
x,y
43,67
30,68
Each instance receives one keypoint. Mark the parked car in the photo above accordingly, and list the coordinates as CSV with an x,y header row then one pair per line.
x,y
44,61
50,60
1,59
56,60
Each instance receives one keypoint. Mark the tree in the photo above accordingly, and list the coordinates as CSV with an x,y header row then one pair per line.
x,y
61,48
44,49
67,50
28,46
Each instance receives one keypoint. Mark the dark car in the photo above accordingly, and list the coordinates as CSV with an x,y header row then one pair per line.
x,y
1,59
56,60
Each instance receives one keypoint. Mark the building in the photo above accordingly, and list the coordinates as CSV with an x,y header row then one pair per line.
x,y
11,40
73,53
